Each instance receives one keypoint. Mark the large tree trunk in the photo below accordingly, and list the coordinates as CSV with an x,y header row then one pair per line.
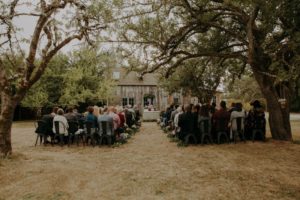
x,y
6,118
279,117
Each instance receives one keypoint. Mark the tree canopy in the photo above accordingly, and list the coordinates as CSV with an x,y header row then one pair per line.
x,y
263,35
83,76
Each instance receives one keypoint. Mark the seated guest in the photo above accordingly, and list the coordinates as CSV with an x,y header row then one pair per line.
x,y
168,114
212,109
54,111
105,118
77,114
129,118
237,112
195,112
90,117
121,114
48,119
186,122
70,115
96,111
174,112
233,107
255,119
137,113
204,115
221,119
112,111
163,115
63,126
176,118
130,109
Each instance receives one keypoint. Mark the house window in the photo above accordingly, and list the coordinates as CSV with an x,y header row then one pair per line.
x,y
125,101
116,75
131,101
176,100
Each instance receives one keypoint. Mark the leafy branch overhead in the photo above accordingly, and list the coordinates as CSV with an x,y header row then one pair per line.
x,y
259,35
182,30
50,35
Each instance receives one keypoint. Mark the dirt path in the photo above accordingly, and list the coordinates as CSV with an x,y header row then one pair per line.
x,y
149,167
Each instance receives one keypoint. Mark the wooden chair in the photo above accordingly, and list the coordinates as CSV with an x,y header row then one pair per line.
x,y
73,128
89,134
240,130
258,129
190,137
222,130
41,132
104,128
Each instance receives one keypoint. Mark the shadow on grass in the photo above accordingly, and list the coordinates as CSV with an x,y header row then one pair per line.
x,y
296,142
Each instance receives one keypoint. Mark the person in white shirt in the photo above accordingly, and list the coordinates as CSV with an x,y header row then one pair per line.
x,y
238,112
176,119
63,126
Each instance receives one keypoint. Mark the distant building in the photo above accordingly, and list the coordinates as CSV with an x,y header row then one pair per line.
x,y
144,91
134,90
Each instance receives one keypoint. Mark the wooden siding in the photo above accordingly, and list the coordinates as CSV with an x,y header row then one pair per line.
x,y
138,93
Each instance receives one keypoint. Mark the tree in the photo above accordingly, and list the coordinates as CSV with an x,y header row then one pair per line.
x,y
49,88
91,82
245,89
263,35
197,77
20,69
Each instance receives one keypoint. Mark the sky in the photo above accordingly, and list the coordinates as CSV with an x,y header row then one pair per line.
x,y
27,24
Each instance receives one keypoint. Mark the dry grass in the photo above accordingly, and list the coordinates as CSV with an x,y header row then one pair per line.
x,y
150,167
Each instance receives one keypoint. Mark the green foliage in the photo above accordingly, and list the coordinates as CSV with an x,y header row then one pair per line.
x,y
82,76
197,77
48,90
244,90
177,31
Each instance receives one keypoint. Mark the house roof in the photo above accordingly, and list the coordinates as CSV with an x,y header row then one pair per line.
x,y
131,78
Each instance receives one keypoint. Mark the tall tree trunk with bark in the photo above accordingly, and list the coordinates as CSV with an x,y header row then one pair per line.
x,y
8,106
279,116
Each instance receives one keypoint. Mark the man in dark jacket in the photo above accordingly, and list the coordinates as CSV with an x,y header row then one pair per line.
x,y
186,122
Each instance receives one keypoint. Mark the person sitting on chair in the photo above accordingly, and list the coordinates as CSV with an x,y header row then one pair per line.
x,y
236,113
176,118
70,115
256,119
91,117
109,120
121,114
63,126
186,123
54,111
222,115
112,111
203,115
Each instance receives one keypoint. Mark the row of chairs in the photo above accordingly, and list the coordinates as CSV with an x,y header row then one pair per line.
x,y
86,135
222,133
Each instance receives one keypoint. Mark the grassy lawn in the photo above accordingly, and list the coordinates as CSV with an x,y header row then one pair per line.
x,y
149,166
